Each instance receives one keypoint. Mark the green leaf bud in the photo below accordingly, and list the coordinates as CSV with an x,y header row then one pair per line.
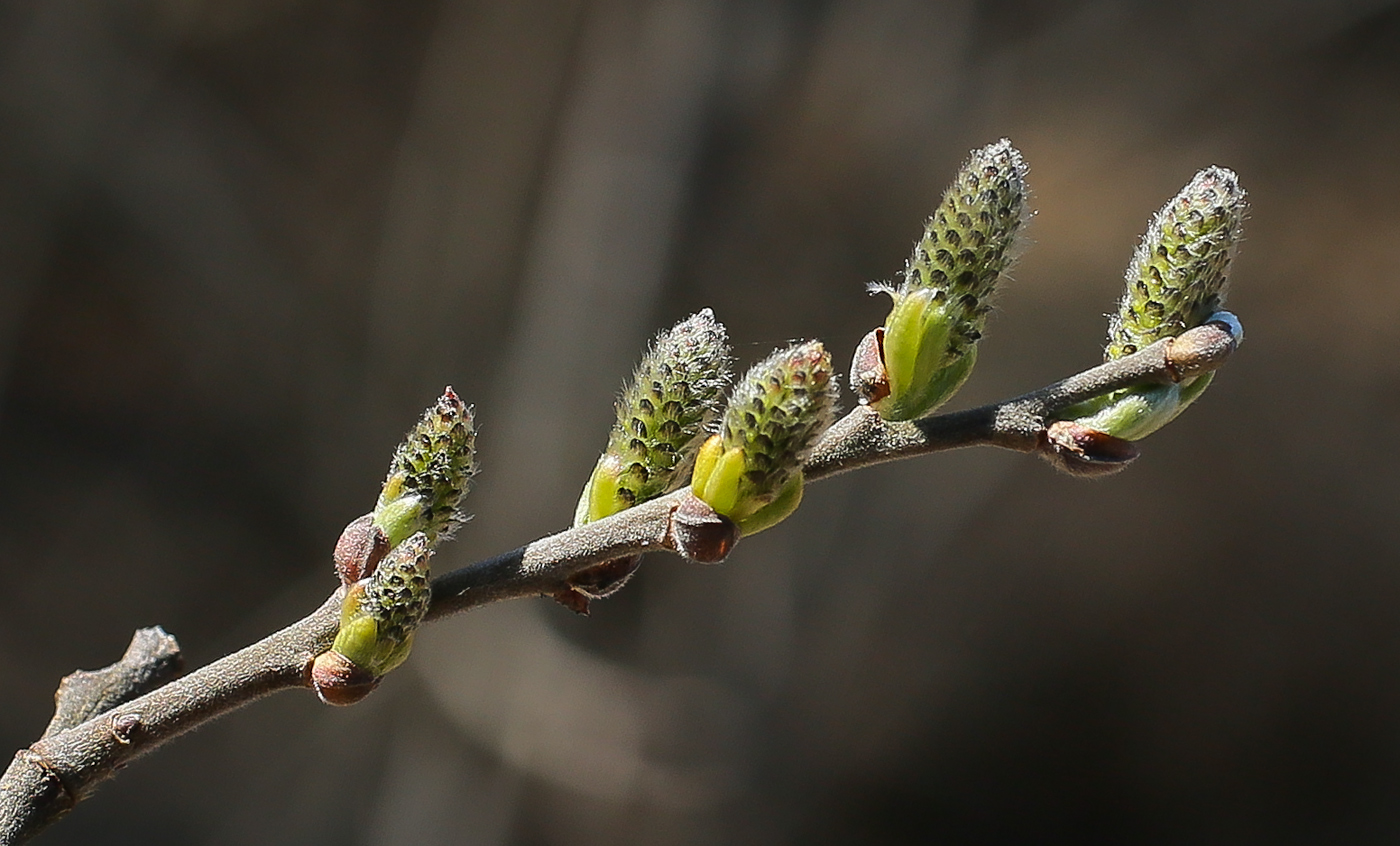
x,y
430,474
1175,282
380,614
751,472
928,344
661,417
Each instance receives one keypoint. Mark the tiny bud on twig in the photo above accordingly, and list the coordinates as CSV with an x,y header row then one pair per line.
x,y
1195,353
360,549
869,379
699,533
1081,451
339,681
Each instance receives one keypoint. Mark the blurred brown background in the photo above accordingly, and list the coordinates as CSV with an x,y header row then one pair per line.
x,y
243,243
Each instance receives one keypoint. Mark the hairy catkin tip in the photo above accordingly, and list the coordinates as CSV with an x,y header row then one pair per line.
x,y
1178,274
940,309
969,241
430,473
662,414
676,389
774,417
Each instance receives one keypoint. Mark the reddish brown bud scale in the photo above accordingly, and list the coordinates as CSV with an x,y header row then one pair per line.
x,y
869,379
1080,451
360,549
1201,350
125,727
572,600
700,533
339,681
606,579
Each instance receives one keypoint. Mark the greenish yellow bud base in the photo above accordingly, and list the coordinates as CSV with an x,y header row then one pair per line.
x,y
922,369
719,480
603,496
399,518
1134,413
775,512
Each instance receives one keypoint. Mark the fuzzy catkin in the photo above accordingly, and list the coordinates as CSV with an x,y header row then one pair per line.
x,y
777,412
1177,277
430,473
676,389
968,242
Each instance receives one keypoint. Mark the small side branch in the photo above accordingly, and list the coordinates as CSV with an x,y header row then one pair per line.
x,y
46,780
861,438
152,659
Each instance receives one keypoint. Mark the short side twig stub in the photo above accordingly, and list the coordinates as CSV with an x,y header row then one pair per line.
x,y
862,438
44,781
152,659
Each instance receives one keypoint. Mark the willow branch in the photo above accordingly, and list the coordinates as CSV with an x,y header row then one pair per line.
x,y
47,779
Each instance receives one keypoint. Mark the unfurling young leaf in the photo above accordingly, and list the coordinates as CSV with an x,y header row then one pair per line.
x,y
928,345
751,472
1175,282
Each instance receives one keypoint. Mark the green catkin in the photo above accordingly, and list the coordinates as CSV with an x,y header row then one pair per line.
x,y
661,417
1176,280
940,308
430,474
751,471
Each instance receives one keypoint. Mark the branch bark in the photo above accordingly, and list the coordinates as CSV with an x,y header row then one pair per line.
x,y
102,726
152,659
48,779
